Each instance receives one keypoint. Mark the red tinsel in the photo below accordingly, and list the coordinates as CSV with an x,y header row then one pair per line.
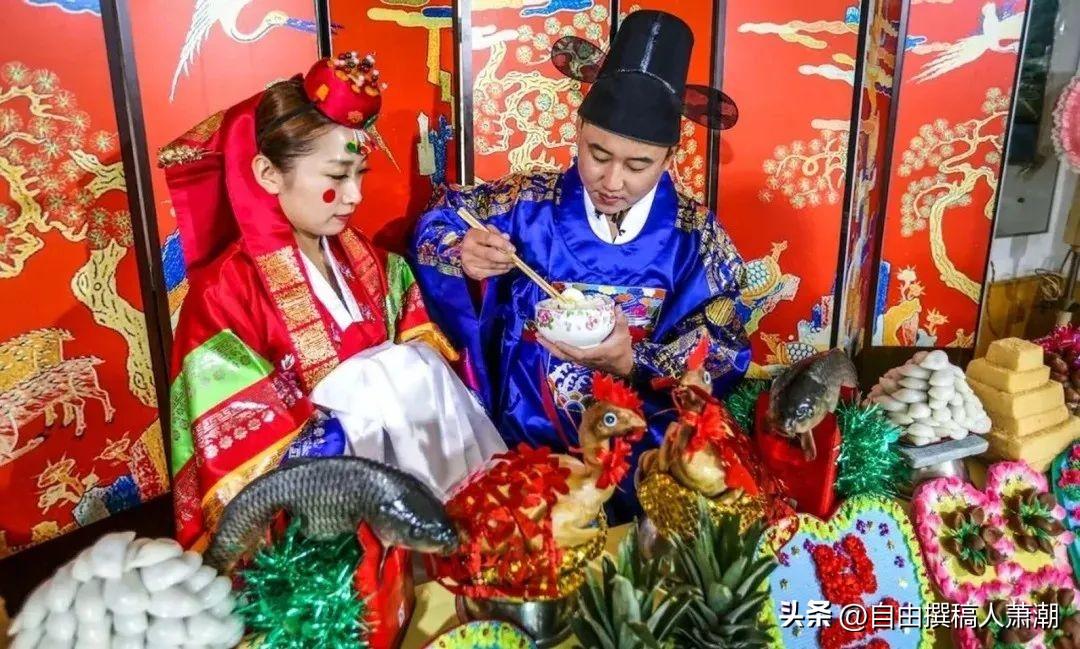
x,y
614,462
494,513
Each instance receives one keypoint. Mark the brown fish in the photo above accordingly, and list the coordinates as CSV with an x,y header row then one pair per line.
x,y
806,391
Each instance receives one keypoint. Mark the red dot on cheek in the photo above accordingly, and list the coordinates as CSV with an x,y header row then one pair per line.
x,y
329,196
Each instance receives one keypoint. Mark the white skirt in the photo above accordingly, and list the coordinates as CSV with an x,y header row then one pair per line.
x,y
403,405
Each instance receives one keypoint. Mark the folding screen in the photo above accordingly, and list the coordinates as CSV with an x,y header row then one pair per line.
x,y
790,66
954,97
79,436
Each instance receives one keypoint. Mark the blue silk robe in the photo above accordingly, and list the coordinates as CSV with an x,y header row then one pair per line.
x,y
676,281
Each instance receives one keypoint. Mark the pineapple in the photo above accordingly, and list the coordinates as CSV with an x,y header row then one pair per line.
x,y
628,603
730,585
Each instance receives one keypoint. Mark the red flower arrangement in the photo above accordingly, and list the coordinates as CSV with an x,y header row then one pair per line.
x,y
501,517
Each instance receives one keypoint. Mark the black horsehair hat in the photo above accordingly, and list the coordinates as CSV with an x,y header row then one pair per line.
x,y
639,88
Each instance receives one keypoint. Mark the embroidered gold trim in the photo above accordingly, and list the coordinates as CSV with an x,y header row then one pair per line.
x,y
293,297
431,335
281,268
352,246
313,344
178,154
204,130
219,495
297,306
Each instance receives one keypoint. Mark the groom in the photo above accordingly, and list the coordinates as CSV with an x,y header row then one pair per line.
x,y
614,224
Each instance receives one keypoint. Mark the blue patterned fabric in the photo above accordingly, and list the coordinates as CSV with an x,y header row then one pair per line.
x,y
677,280
321,437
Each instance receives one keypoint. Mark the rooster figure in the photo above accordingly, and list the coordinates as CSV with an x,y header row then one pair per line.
x,y
704,452
532,517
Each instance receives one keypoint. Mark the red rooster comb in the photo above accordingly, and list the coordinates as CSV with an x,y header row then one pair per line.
x,y
606,388
700,353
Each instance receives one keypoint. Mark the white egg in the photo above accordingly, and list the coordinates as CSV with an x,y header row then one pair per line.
x,y
900,419
166,631
889,404
49,642
914,383
944,392
915,371
201,578
130,624
27,638
234,630
134,641
907,395
919,411
225,607
89,604
95,632
216,591
34,609
203,628
61,625
938,404
154,552
126,594
941,377
159,576
889,385
82,568
108,554
62,591
935,360
920,430
173,602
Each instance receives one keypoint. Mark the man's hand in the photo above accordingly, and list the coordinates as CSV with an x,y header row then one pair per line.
x,y
615,355
486,254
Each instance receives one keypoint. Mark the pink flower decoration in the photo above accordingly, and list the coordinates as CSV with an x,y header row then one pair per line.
x,y
1066,130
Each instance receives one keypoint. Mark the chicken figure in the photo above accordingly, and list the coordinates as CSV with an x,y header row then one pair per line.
x,y
520,516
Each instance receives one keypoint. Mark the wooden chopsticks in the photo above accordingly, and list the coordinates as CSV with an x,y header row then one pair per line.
x,y
522,266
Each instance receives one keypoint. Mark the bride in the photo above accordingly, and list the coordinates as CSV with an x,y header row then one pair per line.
x,y
298,336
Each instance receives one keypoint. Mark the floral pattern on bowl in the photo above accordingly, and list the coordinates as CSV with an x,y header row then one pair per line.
x,y
585,324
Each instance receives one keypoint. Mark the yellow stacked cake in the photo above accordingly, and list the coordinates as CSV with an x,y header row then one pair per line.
x,y
1030,420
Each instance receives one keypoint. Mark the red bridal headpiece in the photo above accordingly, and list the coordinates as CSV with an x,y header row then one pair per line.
x,y
346,89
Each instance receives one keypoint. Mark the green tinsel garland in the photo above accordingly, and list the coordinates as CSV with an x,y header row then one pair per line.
x,y
869,463
742,401
299,593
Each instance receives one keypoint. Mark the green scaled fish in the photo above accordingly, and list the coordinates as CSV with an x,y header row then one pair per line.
x,y
332,495
806,391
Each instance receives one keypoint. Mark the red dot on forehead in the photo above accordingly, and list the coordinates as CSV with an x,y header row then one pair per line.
x,y
329,196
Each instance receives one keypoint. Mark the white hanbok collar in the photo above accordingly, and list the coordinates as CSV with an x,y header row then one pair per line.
x,y
344,312
632,223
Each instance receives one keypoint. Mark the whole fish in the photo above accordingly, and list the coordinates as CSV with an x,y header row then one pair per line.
x,y
332,495
806,391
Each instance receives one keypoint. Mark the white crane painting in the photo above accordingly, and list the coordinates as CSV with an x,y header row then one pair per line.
x,y
226,13
996,33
